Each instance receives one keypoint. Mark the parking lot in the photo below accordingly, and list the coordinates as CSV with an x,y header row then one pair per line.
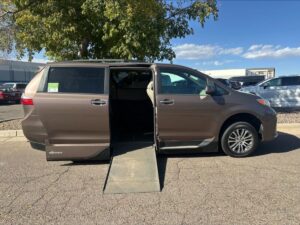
x,y
10,111
201,189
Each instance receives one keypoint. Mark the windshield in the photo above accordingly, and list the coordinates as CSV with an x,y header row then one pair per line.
x,y
6,86
264,81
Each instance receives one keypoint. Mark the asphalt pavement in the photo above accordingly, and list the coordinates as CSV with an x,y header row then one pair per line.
x,y
10,112
196,189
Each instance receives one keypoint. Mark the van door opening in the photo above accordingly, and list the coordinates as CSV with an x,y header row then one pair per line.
x,y
131,107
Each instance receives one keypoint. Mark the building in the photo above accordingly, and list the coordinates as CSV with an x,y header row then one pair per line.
x,y
17,70
267,72
230,73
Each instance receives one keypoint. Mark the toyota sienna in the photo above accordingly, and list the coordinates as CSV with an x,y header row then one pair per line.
x,y
80,110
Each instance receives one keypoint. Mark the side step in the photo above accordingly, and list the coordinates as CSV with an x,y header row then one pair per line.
x,y
133,169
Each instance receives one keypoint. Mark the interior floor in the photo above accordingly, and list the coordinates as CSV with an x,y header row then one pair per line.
x,y
131,108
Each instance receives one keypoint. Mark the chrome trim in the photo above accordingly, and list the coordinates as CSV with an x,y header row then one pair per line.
x,y
204,143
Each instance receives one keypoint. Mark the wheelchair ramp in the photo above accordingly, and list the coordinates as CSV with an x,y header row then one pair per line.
x,y
133,169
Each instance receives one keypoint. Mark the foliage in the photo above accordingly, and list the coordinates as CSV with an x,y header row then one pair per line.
x,y
127,29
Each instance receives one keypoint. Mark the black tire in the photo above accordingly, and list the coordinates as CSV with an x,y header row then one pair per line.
x,y
233,134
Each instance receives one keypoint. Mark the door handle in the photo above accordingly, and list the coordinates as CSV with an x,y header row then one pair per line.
x,y
98,102
167,102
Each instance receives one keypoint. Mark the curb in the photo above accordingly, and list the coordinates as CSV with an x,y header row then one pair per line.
x,y
288,125
290,128
7,120
11,133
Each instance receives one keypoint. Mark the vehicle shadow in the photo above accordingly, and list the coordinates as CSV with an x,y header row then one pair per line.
x,y
283,143
86,163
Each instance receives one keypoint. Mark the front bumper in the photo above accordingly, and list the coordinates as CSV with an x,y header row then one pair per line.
x,y
268,128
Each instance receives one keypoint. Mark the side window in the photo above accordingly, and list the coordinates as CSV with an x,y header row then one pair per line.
x,y
181,82
290,81
273,83
21,86
75,80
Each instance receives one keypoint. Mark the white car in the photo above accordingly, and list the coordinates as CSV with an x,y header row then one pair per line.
x,y
280,92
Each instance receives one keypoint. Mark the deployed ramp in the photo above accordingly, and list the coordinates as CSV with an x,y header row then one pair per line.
x,y
133,169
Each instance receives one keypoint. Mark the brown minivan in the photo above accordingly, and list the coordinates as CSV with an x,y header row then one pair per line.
x,y
79,110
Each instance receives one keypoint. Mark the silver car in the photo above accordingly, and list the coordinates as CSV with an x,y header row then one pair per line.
x,y
280,92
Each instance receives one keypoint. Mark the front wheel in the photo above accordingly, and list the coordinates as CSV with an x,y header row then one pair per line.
x,y
239,139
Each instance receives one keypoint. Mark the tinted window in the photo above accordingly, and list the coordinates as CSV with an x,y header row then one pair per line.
x,y
289,81
21,86
76,80
181,82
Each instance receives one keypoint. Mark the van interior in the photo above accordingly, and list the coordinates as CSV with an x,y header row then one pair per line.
x,y
131,108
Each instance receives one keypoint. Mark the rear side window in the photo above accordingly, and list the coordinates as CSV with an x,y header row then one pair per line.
x,y
290,81
76,80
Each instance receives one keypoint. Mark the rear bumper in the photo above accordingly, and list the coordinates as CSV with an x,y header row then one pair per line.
x,y
268,129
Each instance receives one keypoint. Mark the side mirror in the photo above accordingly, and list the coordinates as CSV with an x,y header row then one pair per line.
x,y
210,87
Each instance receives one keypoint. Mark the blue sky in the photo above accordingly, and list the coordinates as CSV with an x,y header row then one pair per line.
x,y
247,34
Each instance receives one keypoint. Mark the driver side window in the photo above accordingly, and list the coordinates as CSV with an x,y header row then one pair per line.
x,y
181,82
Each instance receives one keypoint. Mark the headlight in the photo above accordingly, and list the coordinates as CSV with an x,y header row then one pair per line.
x,y
263,101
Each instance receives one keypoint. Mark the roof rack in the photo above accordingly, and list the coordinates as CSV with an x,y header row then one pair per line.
x,y
106,60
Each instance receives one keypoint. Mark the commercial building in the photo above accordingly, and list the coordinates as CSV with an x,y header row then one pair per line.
x,y
17,70
230,73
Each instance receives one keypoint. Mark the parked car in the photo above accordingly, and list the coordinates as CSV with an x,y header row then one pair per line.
x,y
11,91
229,83
236,85
248,80
79,111
280,92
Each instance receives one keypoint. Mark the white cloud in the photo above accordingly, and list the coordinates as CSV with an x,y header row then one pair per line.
x,y
217,62
270,51
231,51
194,51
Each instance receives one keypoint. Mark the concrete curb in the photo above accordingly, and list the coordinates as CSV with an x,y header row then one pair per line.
x,y
7,120
11,133
290,128
287,125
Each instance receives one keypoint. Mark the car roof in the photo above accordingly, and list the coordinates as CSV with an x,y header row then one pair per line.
x,y
114,64
105,63
288,76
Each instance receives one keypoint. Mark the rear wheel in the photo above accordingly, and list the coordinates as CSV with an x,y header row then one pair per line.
x,y
239,139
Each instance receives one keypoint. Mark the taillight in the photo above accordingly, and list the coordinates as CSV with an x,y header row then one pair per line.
x,y
26,101
1,95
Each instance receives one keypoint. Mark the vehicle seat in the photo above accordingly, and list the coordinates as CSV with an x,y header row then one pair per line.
x,y
150,91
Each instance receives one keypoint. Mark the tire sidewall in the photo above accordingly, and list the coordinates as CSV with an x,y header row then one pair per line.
x,y
229,130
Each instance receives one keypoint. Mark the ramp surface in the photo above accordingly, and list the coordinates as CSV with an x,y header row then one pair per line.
x,y
133,169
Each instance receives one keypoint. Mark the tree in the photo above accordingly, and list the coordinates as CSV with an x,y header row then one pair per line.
x,y
127,29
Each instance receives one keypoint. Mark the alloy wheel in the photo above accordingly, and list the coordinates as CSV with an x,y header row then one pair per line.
x,y
240,140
